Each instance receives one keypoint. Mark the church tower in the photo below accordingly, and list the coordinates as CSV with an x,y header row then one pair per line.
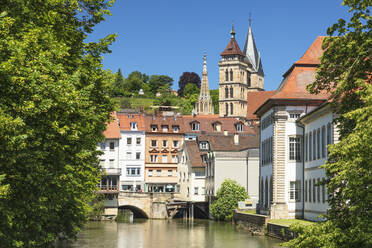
x,y
255,79
204,104
234,73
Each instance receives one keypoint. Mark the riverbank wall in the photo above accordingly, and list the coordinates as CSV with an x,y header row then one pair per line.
x,y
254,223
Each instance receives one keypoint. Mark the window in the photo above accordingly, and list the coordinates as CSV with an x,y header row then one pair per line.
x,y
328,134
196,190
138,155
165,143
138,141
154,143
129,141
239,127
323,142
248,80
314,190
318,189
323,192
217,127
231,108
129,155
165,128
174,159
102,146
318,142
112,145
133,172
226,75
111,163
153,158
305,149
154,128
309,190
294,116
200,173
164,159
231,92
170,173
203,145
175,129
204,158
150,173
314,145
102,162
310,146
295,148
231,75
305,191
175,143
203,191
158,173
226,92
195,126
294,191
133,125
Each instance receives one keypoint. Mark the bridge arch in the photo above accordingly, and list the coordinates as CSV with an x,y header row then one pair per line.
x,y
137,212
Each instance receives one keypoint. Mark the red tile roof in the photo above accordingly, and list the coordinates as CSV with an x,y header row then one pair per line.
x,y
254,100
226,143
126,118
112,129
194,154
160,121
301,74
206,124
232,48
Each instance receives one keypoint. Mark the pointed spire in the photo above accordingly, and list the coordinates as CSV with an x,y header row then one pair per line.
x,y
204,88
251,52
205,62
232,32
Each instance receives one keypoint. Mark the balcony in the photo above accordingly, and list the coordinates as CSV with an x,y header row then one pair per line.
x,y
111,171
113,189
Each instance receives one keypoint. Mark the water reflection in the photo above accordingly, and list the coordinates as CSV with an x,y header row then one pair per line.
x,y
167,234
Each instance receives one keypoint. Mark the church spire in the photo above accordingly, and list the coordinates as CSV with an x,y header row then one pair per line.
x,y
204,88
251,52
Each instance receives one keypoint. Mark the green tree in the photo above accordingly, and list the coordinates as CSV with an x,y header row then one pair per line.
x,y
186,78
117,88
215,99
191,89
345,73
54,104
157,81
187,104
228,196
136,81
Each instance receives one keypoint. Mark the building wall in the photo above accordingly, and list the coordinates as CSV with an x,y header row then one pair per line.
x,y
131,161
109,154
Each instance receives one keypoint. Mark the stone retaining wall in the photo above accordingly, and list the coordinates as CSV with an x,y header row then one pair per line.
x,y
254,223
280,232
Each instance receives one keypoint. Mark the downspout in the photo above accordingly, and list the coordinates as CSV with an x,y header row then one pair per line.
x,y
300,125
247,168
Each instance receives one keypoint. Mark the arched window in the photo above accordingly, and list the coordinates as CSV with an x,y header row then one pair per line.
x,y
226,75
226,92
249,80
266,193
231,92
227,108
231,75
231,108
271,189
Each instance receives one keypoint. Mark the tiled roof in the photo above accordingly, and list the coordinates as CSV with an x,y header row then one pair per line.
x,y
126,118
232,48
112,129
226,143
206,124
164,121
301,74
256,99
194,154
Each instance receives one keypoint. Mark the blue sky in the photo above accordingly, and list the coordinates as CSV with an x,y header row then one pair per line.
x,y
169,37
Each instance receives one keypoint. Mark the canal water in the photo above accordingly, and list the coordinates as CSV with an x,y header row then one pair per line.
x,y
176,233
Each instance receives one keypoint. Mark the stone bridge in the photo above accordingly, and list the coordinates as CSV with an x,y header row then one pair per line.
x,y
146,205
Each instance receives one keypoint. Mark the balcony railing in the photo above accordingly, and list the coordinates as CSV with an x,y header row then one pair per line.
x,y
111,171
108,189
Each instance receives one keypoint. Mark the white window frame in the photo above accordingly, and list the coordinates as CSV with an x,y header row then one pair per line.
x,y
195,126
153,158
133,125
295,191
164,159
177,142
295,148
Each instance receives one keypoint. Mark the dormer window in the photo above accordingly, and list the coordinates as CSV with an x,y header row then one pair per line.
x,y
239,127
154,128
217,127
203,145
294,115
133,125
195,126
165,128
176,129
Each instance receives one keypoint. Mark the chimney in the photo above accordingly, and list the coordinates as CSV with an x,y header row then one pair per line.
x,y
236,139
225,132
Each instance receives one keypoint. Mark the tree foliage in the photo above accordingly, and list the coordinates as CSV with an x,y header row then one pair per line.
x,y
117,87
215,99
345,73
157,81
228,196
190,89
186,78
54,104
